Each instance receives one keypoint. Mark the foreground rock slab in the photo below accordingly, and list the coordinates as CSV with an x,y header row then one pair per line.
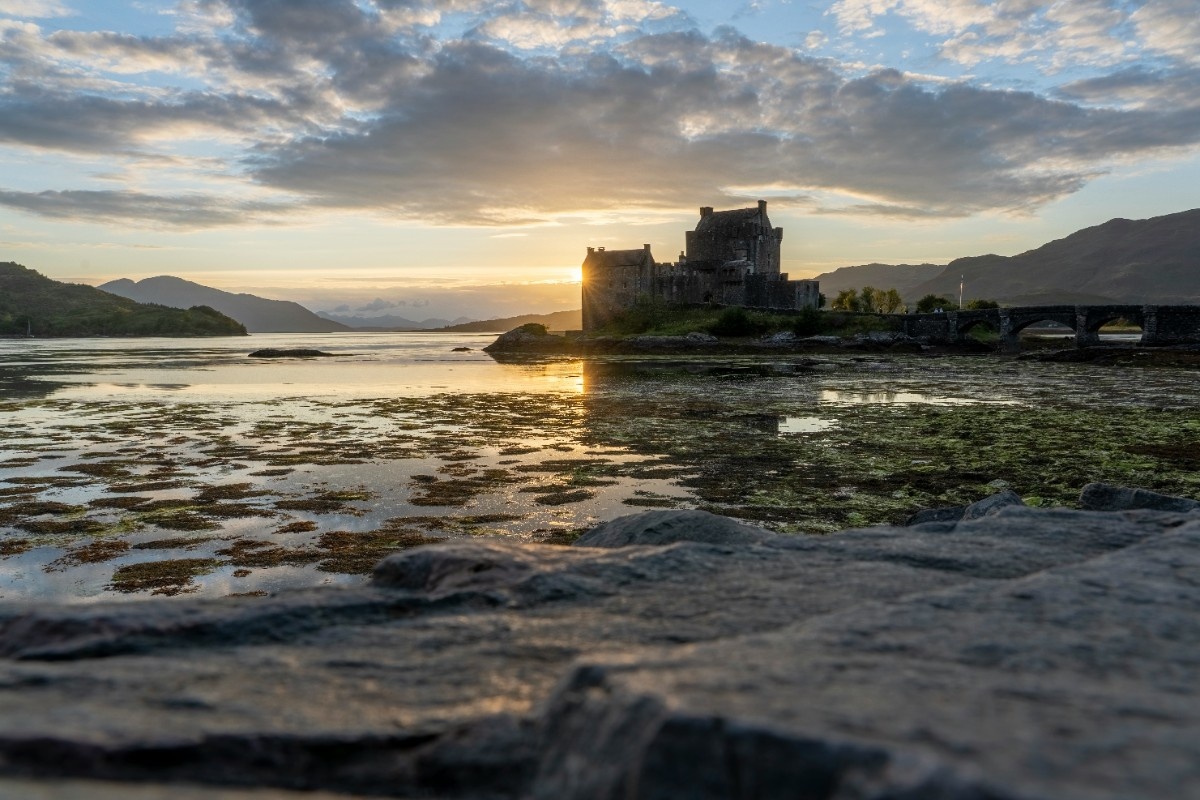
x,y
1024,653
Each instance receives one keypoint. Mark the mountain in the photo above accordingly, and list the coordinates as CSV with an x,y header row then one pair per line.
x,y
1154,260
31,302
258,314
901,277
557,321
389,322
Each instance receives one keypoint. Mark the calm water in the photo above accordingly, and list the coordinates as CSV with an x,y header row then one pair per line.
x,y
132,467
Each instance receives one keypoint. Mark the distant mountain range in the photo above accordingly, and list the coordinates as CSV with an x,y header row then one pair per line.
x,y
31,303
389,322
258,314
556,321
1154,260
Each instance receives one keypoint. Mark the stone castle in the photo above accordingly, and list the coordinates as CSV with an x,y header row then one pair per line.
x,y
732,258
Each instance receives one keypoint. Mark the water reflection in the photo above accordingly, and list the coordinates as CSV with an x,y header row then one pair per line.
x,y
805,424
901,398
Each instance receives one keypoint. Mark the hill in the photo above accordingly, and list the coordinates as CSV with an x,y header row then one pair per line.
x,y
1154,260
31,302
901,277
258,314
389,322
556,321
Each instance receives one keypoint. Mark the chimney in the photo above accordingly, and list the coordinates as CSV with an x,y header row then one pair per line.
x,y
705,211
601,249
762,206
591,250
646,247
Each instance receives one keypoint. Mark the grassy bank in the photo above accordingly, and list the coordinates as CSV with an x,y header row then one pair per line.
x,y
664,320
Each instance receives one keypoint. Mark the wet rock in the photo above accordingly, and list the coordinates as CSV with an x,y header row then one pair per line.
x,y
1105,497
781,339
945,514
679,656
667,527
992,504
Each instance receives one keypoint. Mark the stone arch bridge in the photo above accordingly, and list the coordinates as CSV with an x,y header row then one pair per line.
x,y
1161,325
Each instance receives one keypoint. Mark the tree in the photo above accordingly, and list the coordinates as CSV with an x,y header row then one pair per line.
x,y
980,304
868,299
890,302
846,300
931,302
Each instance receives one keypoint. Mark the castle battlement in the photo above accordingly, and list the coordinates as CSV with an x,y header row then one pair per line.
x,y
731,258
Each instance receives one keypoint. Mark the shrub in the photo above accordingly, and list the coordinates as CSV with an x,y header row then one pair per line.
x,y
737,321
807,322
931,302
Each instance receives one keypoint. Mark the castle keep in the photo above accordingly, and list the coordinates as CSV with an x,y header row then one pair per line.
x,y
731,258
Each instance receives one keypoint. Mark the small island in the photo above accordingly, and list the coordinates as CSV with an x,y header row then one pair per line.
x,y
294,352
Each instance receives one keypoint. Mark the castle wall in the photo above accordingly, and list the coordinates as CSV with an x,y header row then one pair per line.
x,y
730,260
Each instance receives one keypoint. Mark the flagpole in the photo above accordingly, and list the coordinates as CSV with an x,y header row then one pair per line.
x,y
962,280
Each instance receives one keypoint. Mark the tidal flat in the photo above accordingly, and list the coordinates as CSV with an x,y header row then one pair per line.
x,y
130,469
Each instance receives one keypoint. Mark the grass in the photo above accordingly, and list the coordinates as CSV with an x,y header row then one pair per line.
x,y
662,320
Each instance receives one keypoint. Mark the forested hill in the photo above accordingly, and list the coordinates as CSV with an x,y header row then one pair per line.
x,y
258,314
31,302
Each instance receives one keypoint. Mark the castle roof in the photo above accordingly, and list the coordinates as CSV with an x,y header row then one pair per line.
x,y
725,220
620,258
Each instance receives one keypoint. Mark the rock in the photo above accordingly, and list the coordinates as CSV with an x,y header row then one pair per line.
x,y
1105,497
703,338
460,350
992,504
531,338
296,352
667,527
780,339
1026,653
945,514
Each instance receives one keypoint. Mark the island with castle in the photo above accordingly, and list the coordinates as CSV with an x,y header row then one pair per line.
x,y
732,259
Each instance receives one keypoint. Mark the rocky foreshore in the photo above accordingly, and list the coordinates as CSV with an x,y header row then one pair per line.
x,y
524,342
992,651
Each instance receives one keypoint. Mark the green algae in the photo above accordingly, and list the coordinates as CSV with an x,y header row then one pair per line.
x,y
301,526
170,577
14,547
173,543
329,502
356,553
257,553
91,553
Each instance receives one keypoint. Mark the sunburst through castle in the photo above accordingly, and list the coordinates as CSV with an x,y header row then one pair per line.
x,y
731,259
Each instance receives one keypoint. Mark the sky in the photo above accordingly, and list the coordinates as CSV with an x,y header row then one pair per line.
x,y
456,157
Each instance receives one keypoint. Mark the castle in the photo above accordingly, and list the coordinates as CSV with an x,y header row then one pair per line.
x,y
732,258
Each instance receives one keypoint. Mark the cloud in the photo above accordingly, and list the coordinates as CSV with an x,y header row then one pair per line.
x,y
370,106
34,9
1138,87
379,304
1049,36
487,137
142,210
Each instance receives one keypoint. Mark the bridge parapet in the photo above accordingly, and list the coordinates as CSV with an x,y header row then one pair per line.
x,y
1161,325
